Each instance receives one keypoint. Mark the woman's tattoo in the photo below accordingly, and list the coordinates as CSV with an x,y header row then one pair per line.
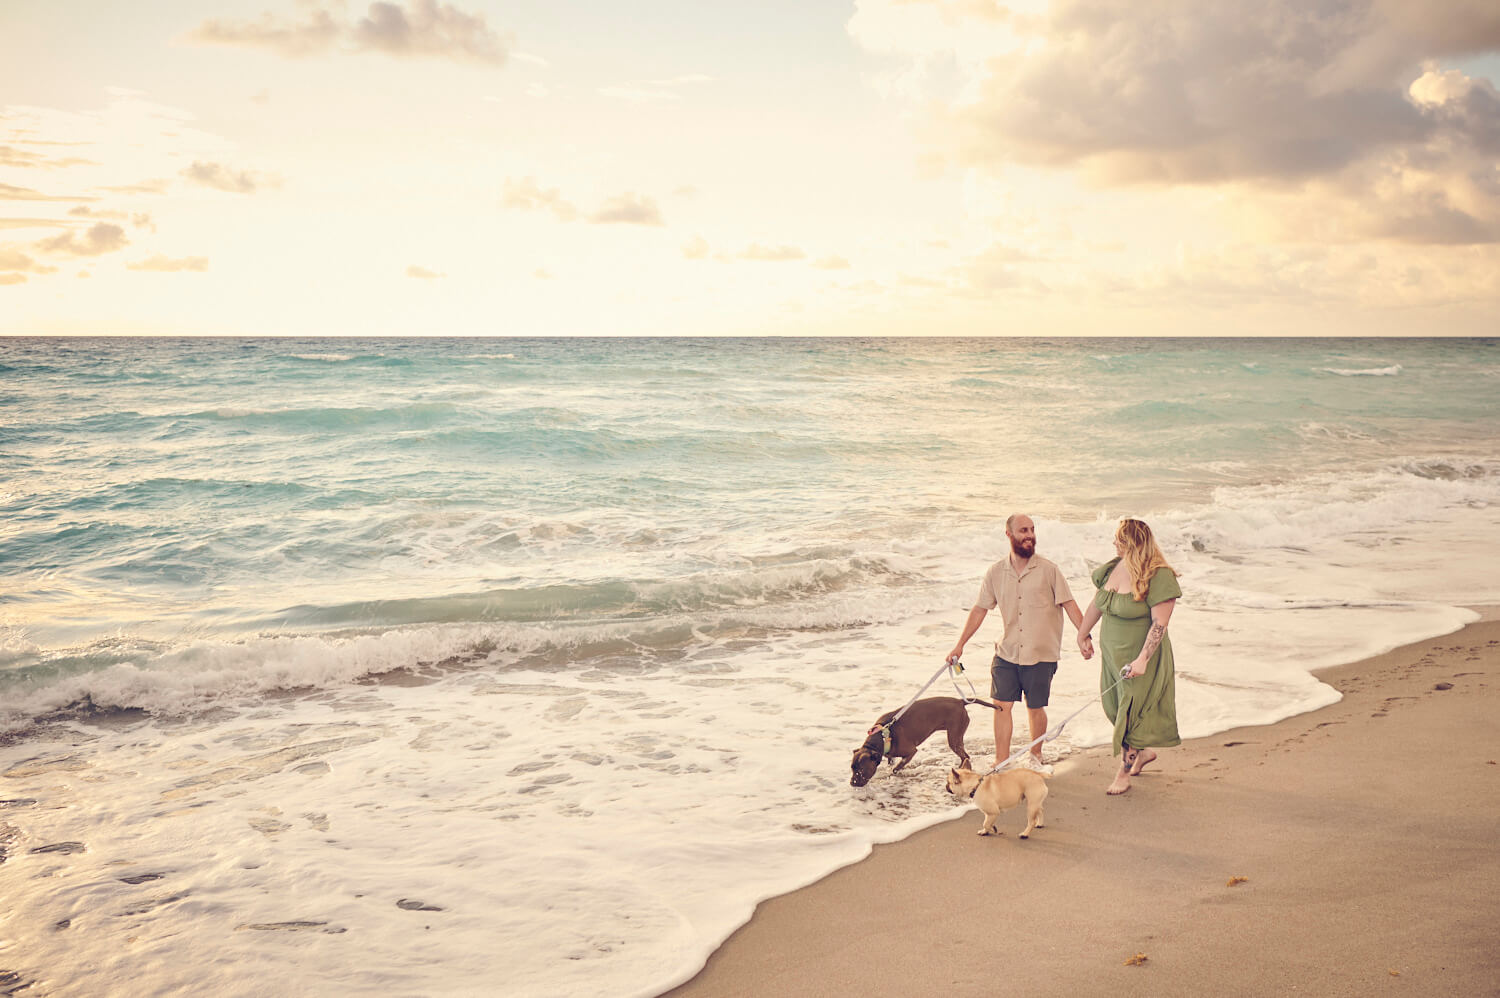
x,y
1153,640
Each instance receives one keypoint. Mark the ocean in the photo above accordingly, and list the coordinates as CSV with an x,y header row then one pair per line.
x,y
528,667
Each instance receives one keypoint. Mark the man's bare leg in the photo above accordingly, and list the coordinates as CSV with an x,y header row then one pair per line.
x,y
1003,726
1036,719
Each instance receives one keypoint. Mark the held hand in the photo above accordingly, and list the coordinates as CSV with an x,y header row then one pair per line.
x,y
1086,646
954,656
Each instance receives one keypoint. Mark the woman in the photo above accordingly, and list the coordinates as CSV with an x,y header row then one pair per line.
x,y
1137,591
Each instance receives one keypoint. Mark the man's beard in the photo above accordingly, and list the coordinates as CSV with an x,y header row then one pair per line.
x,y
1024,548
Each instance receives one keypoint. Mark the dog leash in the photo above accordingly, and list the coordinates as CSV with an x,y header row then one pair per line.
x,y
973,695
1054,732
885,729
956,667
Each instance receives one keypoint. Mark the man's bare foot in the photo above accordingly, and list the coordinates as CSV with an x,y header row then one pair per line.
x,y
1143,758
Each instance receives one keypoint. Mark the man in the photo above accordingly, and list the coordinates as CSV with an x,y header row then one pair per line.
x,y
1032,595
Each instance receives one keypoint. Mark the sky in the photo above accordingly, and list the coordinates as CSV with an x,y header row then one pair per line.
x,y
783,167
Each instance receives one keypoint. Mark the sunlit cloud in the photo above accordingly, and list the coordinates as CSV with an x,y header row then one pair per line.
x,y
14,156
156,186
831,262
653,91
1344,104
139,219
167,265
9,192
18,264
994,269
696,248
98,239
772,254
423,273
417,29
33,223
526,194
628,209
223,178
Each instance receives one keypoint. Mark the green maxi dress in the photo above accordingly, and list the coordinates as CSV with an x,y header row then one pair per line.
x,y
1144,709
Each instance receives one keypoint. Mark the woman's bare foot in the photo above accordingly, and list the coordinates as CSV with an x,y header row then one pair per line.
x,y
1143,758
1122,778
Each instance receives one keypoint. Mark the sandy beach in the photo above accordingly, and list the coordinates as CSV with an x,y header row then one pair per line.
x,y
1347,851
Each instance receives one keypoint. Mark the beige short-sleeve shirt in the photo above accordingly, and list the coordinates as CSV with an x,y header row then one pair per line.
x,y
1030,606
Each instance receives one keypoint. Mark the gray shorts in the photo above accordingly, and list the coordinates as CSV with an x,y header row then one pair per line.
x,y
1009,680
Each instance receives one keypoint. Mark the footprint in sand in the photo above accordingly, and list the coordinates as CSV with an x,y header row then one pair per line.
x,y
292,927
411,904
153,904
38,766
64,848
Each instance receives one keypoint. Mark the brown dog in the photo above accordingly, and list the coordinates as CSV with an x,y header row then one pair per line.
x,y
995,792
921,719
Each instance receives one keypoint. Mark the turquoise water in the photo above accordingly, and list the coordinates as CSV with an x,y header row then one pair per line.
x,y
534,602
162,488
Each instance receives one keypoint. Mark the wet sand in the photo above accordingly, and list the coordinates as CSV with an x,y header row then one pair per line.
x,y
1349,851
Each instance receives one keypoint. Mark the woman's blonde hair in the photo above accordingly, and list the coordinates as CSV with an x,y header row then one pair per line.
x,y
1142,556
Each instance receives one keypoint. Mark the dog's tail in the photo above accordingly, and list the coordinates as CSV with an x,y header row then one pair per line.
x,y
982,703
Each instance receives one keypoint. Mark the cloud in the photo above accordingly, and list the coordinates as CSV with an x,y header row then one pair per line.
x,y
622,209
422,273
10,192
628,209
772,254
100,238
32,223
12,279
1182,93
527,195
417,29
155,186
12,156
313,36
140,219
221,177
831,262
696,248
992,269
652,91
166,265
15,262
1266,97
